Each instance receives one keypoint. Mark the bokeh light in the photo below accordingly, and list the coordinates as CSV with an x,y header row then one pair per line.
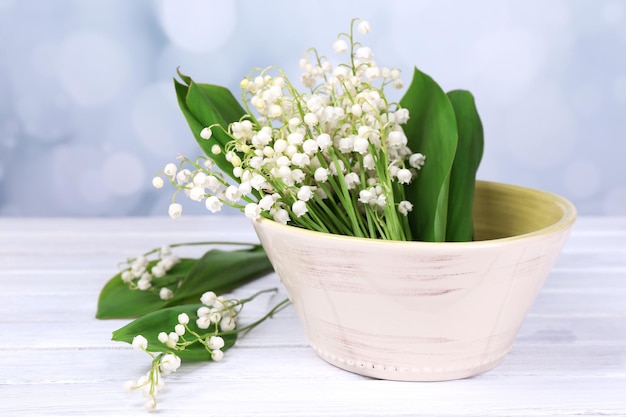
x,y
92,68
87,101
199,26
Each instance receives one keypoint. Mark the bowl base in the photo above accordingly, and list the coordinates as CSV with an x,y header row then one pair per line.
x,y
415,374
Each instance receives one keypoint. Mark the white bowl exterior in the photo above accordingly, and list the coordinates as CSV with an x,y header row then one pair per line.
x,y
410,310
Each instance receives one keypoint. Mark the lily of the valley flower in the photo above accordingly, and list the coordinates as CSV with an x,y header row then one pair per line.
x,y
340,139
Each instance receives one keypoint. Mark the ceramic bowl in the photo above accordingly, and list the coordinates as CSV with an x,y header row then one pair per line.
x,y
423,311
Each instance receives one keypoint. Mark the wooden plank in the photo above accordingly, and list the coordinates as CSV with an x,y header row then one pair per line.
x,y
548,360
285,330
197,392
76,280
60,306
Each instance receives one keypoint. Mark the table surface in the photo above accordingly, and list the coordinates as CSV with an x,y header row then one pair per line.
x,y
569,357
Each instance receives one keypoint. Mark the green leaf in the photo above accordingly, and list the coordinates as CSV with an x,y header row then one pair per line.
x,y
205,105
432,131
186,79
463,176
218,271
150,325
222,271
117,300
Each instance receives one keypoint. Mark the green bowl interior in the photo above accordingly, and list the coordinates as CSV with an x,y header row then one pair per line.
x,y
503,210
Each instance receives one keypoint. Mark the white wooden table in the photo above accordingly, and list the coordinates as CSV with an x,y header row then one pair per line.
x,y
56,359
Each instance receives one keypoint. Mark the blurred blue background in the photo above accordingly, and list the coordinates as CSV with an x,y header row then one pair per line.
x,y
88,112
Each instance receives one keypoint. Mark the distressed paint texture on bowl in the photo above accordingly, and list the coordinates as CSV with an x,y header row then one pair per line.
x,y
423,311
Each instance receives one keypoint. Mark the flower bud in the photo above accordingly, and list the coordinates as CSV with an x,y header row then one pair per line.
x,y
340,46
206,133
170,169
208,299
139,342
364,27
310,119
175,210
165,294
217,355
157,182
213,204
215,342
404,176
299,208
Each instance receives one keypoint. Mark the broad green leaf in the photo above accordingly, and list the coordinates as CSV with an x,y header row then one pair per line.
x,y
196,127
205,105
222,271
218,271
117,301
150,325
431,130
463,176
186,79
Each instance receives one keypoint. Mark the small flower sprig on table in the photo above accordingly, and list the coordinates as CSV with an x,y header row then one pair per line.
x,y
201,331
176,327
158,278
140,272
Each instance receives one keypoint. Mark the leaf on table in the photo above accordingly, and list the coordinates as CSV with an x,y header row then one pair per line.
x,y
118,301
432,131
150,325
217,270
463,175
222,271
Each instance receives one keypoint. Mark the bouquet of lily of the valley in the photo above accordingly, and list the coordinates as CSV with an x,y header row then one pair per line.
x,y
338,157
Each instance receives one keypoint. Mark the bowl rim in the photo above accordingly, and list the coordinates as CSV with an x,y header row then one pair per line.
x,y
565,222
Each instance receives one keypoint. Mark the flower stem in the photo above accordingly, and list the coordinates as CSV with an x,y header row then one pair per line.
x,y
242,330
